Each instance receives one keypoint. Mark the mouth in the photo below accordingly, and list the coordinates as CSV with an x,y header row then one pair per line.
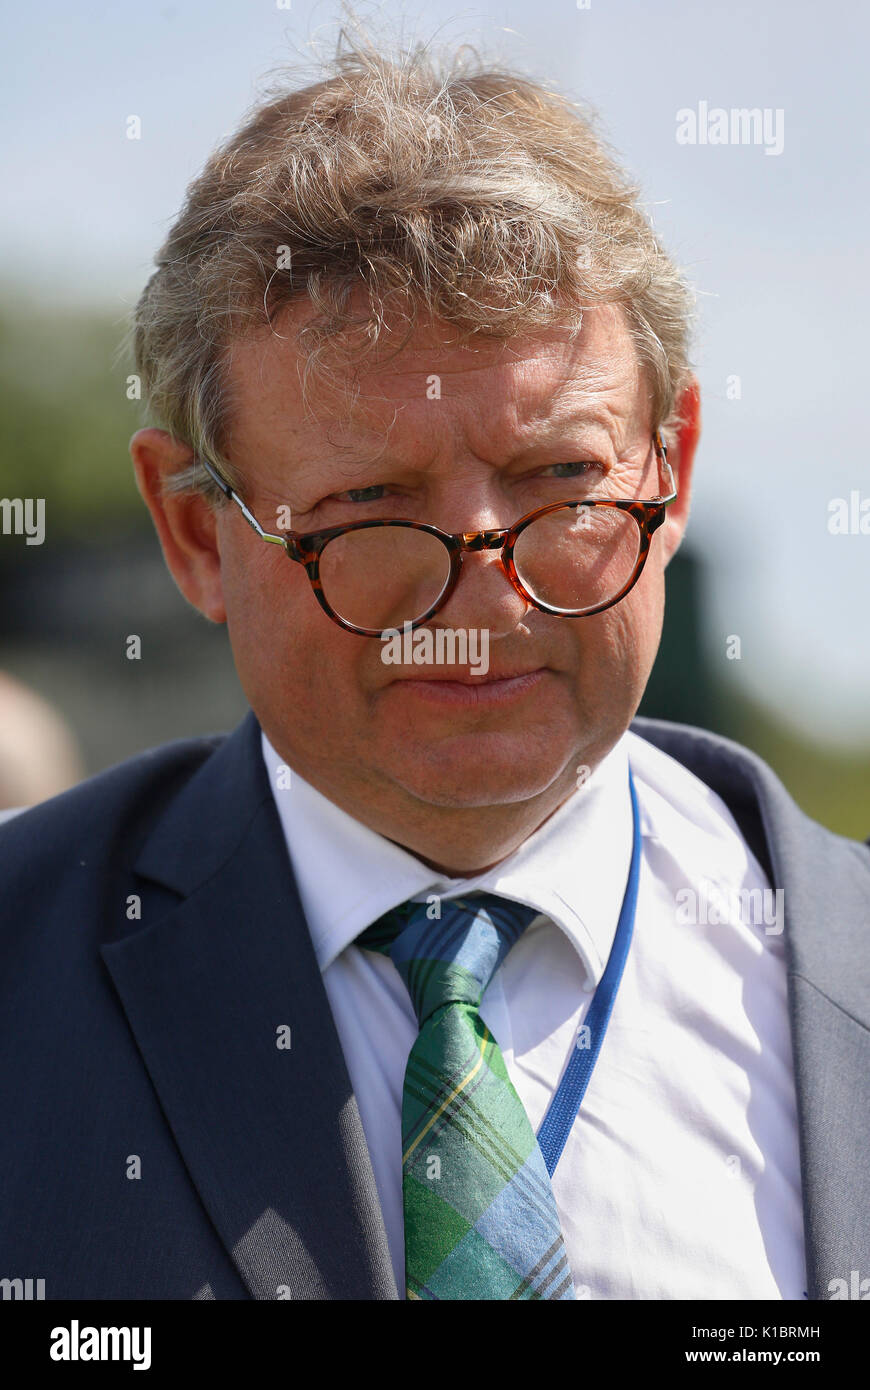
x,y
463,688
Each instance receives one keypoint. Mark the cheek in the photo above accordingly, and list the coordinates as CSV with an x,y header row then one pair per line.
x,y
617,649
640,617
298,669
265,615
255,598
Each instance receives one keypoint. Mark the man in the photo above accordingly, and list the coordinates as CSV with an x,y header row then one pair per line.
x,y
412,986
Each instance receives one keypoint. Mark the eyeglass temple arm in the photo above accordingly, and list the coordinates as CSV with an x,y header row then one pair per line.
x,y
234,497
662,450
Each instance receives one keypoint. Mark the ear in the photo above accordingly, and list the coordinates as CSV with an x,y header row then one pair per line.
x,y
681,457
186,524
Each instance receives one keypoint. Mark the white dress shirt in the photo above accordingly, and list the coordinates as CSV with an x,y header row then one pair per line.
x,y
680,1178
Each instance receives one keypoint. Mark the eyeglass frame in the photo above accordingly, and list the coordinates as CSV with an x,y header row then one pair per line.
x,y
306,548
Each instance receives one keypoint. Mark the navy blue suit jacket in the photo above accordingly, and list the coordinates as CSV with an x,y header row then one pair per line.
x,y
147,1043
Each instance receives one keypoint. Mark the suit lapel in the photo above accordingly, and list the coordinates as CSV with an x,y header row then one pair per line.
x,y
826,904
271,1136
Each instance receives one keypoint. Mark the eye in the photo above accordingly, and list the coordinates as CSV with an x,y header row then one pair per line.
x,y
573,470
373,493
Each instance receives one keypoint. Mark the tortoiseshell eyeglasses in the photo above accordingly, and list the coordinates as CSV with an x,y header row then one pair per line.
x,y
571,558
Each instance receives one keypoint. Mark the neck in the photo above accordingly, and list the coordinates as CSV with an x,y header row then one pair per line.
x,y
454,870
457,842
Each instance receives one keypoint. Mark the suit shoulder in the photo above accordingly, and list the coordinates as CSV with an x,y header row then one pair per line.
x,y
119,801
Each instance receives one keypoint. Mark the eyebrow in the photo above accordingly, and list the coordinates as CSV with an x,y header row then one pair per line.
x,y
349,453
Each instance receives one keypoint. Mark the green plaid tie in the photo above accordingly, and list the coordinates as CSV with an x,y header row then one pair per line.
x,y
480,1218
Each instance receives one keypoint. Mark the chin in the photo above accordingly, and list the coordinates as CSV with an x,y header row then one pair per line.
x,y
481,769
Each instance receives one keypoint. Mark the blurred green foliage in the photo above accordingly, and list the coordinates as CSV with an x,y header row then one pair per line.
x,y
831,786
65,420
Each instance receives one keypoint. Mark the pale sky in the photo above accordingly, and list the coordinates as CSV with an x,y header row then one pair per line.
x,y
776,245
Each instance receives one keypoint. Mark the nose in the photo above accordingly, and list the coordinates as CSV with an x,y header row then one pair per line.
x,y
484,597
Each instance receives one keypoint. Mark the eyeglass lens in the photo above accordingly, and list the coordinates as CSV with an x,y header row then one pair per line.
x,y
571,559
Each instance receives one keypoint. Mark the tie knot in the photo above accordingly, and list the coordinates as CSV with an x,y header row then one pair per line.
x,y
449,955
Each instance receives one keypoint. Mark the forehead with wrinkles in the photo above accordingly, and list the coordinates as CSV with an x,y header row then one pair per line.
x,y
491,395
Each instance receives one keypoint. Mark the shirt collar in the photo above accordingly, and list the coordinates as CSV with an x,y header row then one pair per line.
x,y
573,868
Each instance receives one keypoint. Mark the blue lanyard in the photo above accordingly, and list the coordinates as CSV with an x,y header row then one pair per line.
x,y
565,1105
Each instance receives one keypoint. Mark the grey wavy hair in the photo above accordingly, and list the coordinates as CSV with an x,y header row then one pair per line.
x,y
447,185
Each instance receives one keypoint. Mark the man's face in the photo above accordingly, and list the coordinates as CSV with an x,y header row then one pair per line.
x,y
467,438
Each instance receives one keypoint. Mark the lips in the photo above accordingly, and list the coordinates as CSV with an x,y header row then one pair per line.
x,y
495,688
469,678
